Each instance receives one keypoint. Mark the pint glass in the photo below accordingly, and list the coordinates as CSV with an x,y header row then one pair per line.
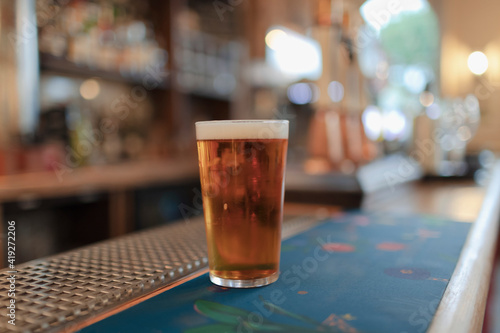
x,y
242,170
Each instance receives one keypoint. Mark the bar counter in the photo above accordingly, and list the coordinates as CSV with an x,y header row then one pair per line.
x,y
70,291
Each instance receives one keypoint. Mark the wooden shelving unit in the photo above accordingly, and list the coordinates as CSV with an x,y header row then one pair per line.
x,y
121,188
60,65
71,182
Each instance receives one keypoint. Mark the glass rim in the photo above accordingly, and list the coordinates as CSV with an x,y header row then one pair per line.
x,y
242,121
242,129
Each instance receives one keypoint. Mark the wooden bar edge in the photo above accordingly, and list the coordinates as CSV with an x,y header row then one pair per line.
x,y
463,304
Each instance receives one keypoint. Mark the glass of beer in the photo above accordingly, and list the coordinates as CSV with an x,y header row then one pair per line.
x,y
242,172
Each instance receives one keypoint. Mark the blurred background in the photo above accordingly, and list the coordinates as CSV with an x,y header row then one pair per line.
x,y
98,101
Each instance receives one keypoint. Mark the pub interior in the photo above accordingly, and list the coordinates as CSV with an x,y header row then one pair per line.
x,y
393,137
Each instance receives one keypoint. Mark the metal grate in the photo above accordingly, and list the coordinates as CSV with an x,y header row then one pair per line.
x,y
59,291
53,292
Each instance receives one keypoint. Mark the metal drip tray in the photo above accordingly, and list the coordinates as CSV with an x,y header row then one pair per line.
x,y
57,292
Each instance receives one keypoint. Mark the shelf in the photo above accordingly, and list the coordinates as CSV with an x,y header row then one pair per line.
x,y
207,95
63,66
90,179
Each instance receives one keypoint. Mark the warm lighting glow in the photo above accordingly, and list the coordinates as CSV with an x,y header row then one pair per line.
x,y
492,52
90,89
274,38
426,98
477,62
455,78
296,56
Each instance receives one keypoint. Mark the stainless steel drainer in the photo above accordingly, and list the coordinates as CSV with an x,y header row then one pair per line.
x,y
56,292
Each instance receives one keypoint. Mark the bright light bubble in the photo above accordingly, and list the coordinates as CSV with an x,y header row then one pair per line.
x,y
59,89
414,79
394,124
372,122
275,38
295,55
379,13
472,103
464,133
336,91
300,93
477,62
487,158
90,89
433,111
426,98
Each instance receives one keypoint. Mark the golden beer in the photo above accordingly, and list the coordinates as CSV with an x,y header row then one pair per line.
x,y
242,169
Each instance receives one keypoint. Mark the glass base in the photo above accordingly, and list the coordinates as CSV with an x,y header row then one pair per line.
x,y
244,283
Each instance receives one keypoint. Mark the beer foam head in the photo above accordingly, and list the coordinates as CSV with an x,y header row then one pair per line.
x,y
241,129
